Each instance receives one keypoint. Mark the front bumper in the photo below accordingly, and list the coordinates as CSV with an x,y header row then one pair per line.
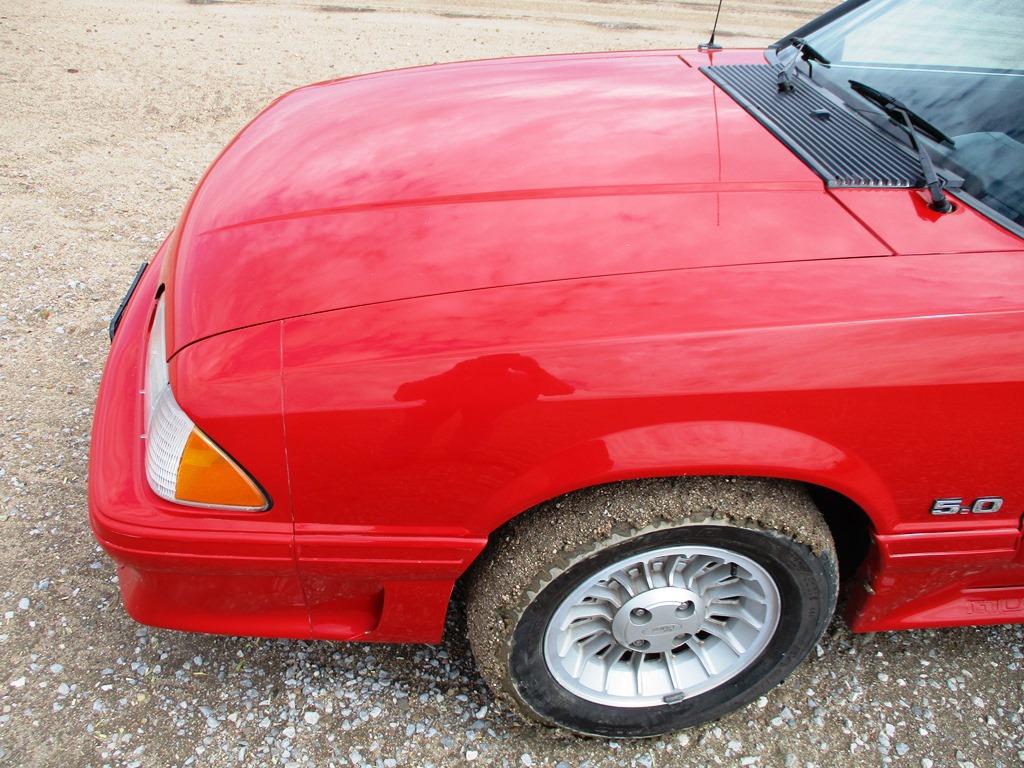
x,y
176,568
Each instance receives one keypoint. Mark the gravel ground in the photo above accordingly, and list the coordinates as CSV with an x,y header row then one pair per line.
x,y
109,115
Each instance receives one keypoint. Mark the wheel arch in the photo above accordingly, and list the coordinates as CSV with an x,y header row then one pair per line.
x,y
850,496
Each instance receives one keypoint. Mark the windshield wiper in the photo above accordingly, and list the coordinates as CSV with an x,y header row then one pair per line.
x,y
805,51
913,123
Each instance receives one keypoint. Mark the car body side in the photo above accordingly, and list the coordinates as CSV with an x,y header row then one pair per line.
x,y
852,340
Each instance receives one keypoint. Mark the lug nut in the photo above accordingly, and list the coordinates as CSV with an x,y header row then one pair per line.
x,y
640,615
685,609
640,644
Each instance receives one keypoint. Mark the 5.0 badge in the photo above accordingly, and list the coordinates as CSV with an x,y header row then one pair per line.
x,y
985,505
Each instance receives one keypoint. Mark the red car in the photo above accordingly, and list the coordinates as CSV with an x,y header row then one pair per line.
x,y
648,349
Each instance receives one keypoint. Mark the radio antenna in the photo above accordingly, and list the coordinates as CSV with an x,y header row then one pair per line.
x,y
711,45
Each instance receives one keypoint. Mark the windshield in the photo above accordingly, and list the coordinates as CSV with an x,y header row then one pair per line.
x,y
959,64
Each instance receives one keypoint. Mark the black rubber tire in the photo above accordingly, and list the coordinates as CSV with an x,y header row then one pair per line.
x,y
540,558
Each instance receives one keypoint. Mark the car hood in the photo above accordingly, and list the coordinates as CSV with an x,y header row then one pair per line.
x,y
495,173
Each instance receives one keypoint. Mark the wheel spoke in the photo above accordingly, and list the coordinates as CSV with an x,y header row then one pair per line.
x,y
716,574
671,565
647,569
734,588
673,673
722,632
607,594
589,611
638,663
697,646
732,608
588,648
584,629
625,580
614,655
696,564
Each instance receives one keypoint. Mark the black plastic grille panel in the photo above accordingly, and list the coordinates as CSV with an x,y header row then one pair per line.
x,y
845,150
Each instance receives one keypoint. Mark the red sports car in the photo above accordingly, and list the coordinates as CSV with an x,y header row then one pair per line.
x,y
649,349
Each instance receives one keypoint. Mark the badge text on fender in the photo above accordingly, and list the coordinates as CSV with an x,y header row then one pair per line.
x,y
985,505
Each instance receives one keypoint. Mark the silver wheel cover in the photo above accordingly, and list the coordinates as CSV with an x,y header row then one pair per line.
x,y
670,623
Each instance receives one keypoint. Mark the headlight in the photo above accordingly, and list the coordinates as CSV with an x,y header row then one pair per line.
x,y
182,464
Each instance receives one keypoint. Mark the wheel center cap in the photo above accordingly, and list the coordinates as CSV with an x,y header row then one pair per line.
x,y
658,620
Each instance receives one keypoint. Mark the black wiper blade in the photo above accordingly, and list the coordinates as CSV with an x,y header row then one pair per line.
x,y
896,108
913,123
805,51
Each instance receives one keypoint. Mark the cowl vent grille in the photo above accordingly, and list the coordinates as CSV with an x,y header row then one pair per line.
x,y
842,148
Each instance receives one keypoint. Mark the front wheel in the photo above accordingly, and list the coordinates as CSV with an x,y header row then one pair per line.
x,y
641,608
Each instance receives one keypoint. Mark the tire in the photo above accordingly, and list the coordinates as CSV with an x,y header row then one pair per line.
x,y
572,629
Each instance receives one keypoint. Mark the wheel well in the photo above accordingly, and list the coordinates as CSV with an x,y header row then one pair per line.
x,y
849,525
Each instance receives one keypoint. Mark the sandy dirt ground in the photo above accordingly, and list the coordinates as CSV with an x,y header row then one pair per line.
x,y
108,115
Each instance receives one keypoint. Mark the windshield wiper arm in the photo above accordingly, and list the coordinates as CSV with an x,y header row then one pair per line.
x,y
896,108
913,123
805,51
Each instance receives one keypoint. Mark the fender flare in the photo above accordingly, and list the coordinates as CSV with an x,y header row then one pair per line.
x,y
697,448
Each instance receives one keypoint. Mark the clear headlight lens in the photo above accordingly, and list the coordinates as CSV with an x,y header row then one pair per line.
x,y
182,464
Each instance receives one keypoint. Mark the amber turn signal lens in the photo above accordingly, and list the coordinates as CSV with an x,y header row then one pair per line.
x,y
208,476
